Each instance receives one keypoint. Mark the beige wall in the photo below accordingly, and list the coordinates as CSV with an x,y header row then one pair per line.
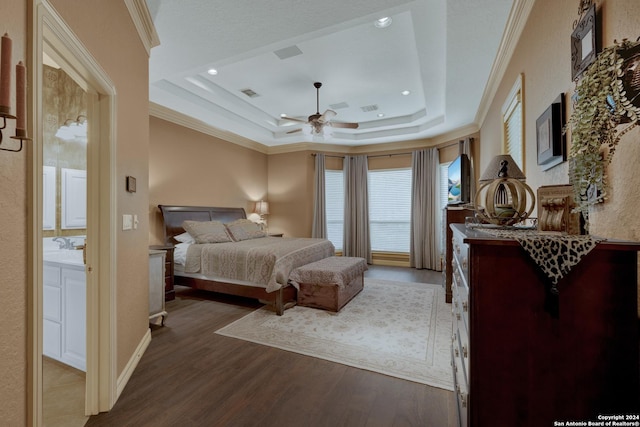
x,y
543,57
13,243
187,167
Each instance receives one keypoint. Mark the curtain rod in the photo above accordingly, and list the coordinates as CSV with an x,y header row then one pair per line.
x,y
377,155
451,144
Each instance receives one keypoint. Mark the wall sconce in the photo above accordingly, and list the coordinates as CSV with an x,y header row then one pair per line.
x,y
262,209
5,94
503,197
73,130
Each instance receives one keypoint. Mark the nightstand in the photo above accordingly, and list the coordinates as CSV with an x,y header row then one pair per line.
x,y
169,292
156,285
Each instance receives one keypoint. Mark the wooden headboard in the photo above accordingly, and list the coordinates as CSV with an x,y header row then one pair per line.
x,y
174,216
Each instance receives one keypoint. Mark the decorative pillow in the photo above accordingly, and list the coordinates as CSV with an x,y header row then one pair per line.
x,y
185,238
207,231
244,229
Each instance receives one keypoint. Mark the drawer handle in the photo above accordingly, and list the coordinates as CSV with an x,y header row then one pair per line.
x,y
463,398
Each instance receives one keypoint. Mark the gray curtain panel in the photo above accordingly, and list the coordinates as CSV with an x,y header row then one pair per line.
x,y
357,242
425,210
319,229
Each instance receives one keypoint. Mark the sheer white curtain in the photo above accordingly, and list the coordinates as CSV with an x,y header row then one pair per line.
x,y
466,148
425,209
319,227
357,242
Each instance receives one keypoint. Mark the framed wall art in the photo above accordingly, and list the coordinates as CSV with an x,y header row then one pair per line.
x,y
551,142
584,42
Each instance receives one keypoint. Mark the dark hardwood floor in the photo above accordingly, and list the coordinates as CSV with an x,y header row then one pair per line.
x,y
190,376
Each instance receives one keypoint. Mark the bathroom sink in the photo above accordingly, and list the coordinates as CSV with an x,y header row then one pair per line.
x,y
73,257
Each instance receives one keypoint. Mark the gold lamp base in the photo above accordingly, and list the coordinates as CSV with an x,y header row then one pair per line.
x,y
504,201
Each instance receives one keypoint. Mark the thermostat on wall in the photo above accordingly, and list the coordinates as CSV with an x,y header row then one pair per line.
x,y
131,184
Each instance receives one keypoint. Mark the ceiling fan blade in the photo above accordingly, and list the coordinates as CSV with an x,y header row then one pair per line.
x,y
327,115
293,119
344,125
294,131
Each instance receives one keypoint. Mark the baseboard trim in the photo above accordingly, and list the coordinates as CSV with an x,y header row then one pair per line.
x,y
123,379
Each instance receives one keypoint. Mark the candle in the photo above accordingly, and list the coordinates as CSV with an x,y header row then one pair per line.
x,y
5,74
21,96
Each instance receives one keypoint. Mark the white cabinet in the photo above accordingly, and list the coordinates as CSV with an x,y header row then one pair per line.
x,y
64,313
74,198
156,285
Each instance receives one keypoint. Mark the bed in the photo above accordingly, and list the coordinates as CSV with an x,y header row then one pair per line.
x,y
263,264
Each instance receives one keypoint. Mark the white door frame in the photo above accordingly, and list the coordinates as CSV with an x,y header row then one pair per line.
x,y
50,32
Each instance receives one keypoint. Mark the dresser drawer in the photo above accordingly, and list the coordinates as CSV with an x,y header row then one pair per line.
x,y
460,297
461,388
461,254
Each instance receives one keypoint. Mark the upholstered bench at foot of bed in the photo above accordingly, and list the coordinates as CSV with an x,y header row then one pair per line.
x,y
329,283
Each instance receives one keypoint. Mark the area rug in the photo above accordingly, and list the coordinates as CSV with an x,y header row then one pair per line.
x,y
399,329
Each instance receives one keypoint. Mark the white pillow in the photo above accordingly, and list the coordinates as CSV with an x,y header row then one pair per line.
x,y
185,238
180,253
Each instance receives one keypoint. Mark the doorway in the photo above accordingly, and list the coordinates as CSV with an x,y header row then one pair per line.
x,y
64,145
51,36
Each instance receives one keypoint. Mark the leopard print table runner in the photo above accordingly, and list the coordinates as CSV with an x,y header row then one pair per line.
x,y
555,254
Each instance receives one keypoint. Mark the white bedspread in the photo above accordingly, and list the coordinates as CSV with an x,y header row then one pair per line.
x,y
266,261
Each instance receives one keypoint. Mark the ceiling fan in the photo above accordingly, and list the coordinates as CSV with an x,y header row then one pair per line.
x,y
318,121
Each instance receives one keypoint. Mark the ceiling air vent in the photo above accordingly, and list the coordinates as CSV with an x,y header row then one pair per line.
x,y
368,108
250,93
288,52
339,105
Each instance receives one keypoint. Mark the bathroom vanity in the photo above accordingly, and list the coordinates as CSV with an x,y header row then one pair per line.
x,y
64,307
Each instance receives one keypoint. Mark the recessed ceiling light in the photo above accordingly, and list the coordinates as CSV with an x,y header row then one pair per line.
x,y
212,71
283,115
383,22
405,92
380,114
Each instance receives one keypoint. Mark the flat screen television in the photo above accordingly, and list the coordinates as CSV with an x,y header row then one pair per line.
x,y
459,180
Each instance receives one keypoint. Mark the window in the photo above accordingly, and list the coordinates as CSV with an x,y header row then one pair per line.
x,y
444,199
390,209
444,184
513,132
334,199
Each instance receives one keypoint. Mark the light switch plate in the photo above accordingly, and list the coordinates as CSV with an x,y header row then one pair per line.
x,y
127,222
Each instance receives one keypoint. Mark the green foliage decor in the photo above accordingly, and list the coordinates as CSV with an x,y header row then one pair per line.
x,y
600,106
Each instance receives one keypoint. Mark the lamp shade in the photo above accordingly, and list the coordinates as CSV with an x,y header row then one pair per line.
x,y
502,166
262,208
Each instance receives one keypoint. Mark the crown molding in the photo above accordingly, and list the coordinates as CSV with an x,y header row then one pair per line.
x,y
515,25
180,119
172,116
144,24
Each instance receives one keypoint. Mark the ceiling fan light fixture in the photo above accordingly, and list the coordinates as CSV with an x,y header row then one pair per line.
x,y
212,71
405,92
383,22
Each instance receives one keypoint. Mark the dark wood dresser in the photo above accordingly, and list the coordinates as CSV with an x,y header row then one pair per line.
x,y
169,292
524,355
